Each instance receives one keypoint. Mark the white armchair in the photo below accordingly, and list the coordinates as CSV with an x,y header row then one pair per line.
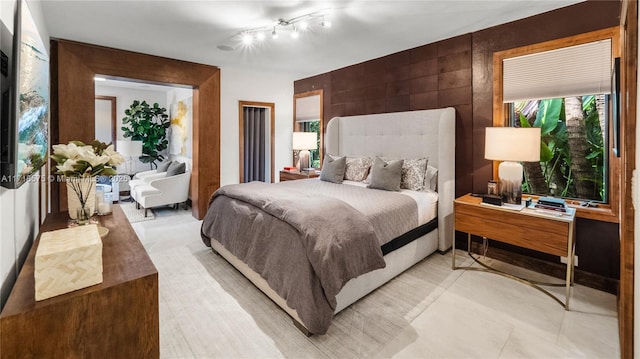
x,y
143,174
159,190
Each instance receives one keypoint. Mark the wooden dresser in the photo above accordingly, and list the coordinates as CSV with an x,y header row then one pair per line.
x,y
117,318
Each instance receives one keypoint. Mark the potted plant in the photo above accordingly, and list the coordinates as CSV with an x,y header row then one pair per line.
x,y
147,124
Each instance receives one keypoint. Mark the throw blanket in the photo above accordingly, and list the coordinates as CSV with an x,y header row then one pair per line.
x,y
305,246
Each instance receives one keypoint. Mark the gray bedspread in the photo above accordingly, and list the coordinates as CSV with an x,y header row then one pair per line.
x,y
305,245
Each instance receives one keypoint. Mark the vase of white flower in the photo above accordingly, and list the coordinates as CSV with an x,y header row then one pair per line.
x,y
80,164
81,194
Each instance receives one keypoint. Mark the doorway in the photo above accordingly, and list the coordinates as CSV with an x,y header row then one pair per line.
x,y
106,119
256,129
74,66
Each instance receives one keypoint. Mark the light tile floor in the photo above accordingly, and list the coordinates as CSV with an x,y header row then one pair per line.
x,y
208,310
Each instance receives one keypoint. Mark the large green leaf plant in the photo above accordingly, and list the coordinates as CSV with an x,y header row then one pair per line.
x,y
148,124
555,157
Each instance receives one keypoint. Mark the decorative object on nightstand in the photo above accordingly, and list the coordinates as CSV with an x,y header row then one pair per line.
x,y
512,145
303,142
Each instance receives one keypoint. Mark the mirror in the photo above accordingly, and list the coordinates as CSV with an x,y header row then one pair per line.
x,y
308,117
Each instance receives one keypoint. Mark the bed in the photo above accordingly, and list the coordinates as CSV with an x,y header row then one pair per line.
x,y
287,238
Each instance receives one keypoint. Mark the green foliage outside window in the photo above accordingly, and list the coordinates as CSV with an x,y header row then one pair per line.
x,y
313,126
573,156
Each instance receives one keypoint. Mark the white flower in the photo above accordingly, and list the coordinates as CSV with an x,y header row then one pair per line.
x,y
79,160
68,151
114,157
67,166
95,160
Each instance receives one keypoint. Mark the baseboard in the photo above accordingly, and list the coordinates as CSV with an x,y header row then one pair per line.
x,y
556,270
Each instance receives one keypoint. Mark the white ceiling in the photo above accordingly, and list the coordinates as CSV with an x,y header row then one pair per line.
x,y
361,29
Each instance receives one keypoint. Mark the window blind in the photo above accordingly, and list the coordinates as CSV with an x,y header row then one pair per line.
x,y
570,71
308,108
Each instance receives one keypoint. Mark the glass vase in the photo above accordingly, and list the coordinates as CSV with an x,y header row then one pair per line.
x,y
82,215
84,187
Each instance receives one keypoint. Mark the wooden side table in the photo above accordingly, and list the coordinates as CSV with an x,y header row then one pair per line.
x,y
295,175
540,230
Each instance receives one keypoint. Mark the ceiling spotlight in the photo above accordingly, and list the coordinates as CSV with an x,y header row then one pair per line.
x,y
325,23
260,36
274,34
295,34
247,39
303,25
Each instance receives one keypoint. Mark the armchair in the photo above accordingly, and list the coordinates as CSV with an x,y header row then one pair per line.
x,y
161,190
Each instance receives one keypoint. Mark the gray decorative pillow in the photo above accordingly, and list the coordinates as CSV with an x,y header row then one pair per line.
x,y
431,179
333,169
386,175
163,167
357,168
413,172
176,168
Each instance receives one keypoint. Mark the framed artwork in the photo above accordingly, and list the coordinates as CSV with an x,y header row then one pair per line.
x,y
28,123
180,133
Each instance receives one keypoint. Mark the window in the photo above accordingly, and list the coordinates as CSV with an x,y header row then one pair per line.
x,y
563,86
313,126
573,149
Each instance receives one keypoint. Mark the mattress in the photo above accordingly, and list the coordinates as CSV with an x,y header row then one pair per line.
x,y
391,214
427,201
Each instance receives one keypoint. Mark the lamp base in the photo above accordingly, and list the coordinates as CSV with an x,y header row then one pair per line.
x,y
304,160
510,174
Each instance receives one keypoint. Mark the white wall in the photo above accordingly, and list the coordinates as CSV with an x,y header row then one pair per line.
x,y
19,208
248,85
124,99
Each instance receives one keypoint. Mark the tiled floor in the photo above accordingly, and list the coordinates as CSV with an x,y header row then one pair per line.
x,y
208,310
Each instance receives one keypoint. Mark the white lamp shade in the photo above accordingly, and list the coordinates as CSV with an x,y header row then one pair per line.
x,y
129,148
305,140
512,144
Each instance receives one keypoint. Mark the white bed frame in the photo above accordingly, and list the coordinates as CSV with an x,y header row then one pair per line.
x,y
414,134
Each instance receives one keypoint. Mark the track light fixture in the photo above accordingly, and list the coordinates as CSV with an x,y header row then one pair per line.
x,y
295,26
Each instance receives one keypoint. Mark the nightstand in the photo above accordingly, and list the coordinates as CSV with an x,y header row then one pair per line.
x,y
540,230
295,175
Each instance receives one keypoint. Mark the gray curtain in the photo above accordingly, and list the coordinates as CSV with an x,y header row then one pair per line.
x,y
254,143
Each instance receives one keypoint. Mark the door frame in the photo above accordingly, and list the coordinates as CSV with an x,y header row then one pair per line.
x,y
272,109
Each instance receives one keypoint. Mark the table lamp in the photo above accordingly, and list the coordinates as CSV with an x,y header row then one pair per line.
x,y
128,150
512,145
302,143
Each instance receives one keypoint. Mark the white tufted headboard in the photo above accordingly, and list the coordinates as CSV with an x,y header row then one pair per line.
x,y
413,134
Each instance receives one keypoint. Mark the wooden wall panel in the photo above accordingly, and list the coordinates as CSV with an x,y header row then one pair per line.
x,y
426,77
73,66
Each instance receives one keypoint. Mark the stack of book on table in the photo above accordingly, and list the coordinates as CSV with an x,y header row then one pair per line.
x,y
551,203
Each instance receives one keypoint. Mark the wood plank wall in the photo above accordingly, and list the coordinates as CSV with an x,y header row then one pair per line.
x,y
427,77
458,72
